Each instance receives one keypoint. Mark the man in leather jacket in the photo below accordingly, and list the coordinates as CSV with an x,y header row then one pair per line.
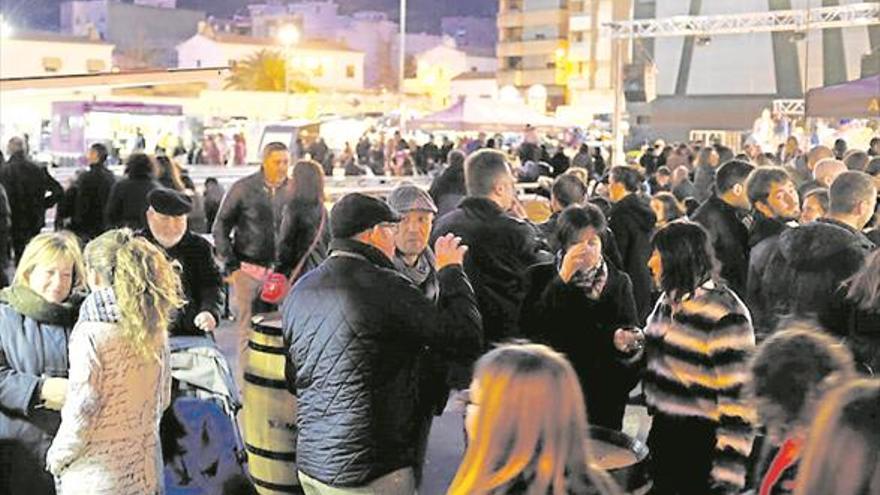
x,y
246,226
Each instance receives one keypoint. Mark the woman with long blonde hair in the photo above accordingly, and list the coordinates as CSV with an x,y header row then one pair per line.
x,y
120,376
527,428
842,456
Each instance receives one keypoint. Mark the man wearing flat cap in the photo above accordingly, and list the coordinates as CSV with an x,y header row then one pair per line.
x,y
412,256
355,329
202,284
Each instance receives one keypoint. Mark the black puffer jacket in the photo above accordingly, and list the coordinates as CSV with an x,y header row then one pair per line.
x,y
249,217
500,249
92,192
807,268
729,237
632,221
357,360
31,192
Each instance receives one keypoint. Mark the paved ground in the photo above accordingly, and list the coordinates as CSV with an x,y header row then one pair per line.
x,y
446,441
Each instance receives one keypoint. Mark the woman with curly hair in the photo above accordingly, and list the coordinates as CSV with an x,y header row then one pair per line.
x,y
120,375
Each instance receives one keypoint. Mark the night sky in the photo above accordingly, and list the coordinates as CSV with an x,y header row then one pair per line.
x,y
424,15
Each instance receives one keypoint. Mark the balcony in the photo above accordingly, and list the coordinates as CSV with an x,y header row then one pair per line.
x,y
516,19
529,47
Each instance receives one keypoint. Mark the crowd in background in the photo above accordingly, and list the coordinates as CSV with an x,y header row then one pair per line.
x,y
740,290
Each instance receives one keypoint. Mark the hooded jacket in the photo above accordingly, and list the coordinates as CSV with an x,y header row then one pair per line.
x,y
632,221
729,237
807,268
500,249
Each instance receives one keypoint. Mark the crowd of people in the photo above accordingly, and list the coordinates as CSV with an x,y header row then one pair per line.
x,y
741,291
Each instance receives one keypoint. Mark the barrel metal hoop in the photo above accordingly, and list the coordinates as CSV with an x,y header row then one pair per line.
x,y
268,349
276,486
264,382
270,454
267,330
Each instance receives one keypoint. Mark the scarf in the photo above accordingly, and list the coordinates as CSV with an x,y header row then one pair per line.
x,y
592,281
420,271
100,306
30,304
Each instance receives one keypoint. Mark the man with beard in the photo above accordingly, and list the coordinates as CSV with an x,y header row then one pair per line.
x,y
775,201
200,277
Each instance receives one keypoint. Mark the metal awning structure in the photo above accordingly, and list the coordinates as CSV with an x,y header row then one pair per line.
x,y
127,79
861,14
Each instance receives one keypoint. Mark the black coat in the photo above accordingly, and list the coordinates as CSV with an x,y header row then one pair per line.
x,y
448,189
31,191
356,360
299,228
632,221
729,237
763,239
563,317
127,204
249,217
5,223
806,269
684,190
29,350
202,283
92,194
500,249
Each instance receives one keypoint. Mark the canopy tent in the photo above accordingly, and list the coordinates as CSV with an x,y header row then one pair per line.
x,y
480,114
853,99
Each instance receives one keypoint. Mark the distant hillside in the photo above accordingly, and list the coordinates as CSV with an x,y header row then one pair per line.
x,y
423,15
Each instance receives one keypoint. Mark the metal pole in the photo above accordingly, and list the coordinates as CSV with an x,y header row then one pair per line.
x,y
619,97
286,81
402,67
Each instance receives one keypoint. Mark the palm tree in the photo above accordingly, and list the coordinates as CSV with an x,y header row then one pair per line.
x,y
265,71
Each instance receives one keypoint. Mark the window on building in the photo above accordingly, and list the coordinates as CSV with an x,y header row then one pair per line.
x,y
643,120
51,64
349,71
578,36
95,65
199,63
514,5
513,62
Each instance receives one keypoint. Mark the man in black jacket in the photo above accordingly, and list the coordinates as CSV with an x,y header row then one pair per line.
x,y
501,247
810,262
721,215
632,221
355,330
31,192
202,285
245,228
92,191
774,199
5,226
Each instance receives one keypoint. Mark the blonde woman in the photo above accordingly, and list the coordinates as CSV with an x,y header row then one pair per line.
x,y
526,428
37,313
120,377
842,455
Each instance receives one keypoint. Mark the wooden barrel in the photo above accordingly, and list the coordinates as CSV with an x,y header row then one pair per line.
x,y
269,411
623,457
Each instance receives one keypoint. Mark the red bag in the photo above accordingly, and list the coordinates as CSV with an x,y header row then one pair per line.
x,y
276,285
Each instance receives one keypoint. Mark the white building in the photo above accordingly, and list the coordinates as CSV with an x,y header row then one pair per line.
x,y
33,53
374,35
474,85
327,64
438,66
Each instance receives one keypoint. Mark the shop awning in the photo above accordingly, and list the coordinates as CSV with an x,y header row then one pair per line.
x,y
853,99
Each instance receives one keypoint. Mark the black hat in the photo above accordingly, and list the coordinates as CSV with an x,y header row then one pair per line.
x,y
169,202
356,212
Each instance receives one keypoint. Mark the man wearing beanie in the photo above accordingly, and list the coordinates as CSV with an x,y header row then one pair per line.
x,y
202,284
355,330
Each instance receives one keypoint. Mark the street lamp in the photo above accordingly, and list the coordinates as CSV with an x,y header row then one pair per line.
x,y
288,35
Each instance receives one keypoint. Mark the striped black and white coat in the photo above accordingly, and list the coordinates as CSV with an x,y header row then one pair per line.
x,y
697,365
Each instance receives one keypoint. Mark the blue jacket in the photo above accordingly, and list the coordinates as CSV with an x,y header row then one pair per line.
x,y
29,350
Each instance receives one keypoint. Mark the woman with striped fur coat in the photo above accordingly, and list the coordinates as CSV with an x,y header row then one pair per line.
x,y
698,341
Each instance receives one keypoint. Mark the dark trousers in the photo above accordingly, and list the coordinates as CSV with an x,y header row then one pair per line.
x,y
681,455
